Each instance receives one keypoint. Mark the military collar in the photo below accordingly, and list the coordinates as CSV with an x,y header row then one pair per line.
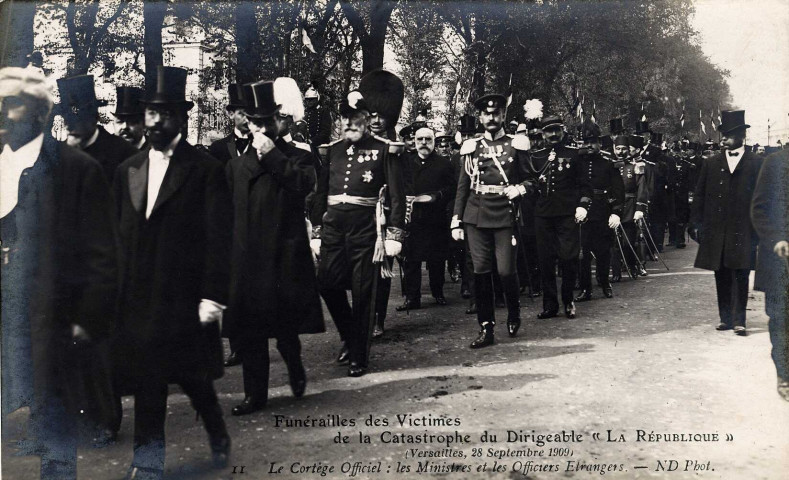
x,y
495,137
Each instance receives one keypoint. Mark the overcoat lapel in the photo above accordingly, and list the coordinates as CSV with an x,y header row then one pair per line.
x,y
231,147
138,184
176,175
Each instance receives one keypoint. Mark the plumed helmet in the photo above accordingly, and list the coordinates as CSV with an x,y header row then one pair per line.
x,y
288,94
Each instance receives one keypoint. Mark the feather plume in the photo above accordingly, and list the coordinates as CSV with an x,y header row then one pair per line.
x,y
533,109
288,94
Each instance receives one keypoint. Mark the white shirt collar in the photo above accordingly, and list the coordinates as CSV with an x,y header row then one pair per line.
x,y
497,136
169,149
238,133
12,165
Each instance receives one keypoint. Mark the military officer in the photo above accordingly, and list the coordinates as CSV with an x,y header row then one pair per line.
x,y
467,127
564,198
605,212
495,173
239,140
444,145
680,171
634,205
318,118
407,136
130,116
349,232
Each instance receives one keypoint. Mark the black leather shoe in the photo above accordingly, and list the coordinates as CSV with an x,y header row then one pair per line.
x,y
356,370
608,292
513,324
250,404
723,326
740,330
298,379
233,359
472,309
681,245
465,293
484,339
343,356
584,296
409,305
536,293
617,277
569,310
641,271
547,314
220,451
441,300
378,330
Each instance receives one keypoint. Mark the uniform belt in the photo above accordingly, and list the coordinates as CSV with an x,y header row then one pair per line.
x,y
630,195
352,200
598,191
425,198
499,189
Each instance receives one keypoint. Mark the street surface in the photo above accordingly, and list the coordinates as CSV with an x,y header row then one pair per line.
x,y
647,360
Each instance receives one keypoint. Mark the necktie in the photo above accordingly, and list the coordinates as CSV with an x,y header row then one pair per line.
x,y
242,143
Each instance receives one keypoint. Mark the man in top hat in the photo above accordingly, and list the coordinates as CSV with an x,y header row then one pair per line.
x,y
80,110
720,220
318,119
770,218
130,116
605,212
349,228
383,92
428,231
565,195
59,278
633,176
175,235
273,289
495,174
239,140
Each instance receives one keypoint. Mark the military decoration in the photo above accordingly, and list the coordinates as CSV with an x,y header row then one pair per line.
x,y
367,176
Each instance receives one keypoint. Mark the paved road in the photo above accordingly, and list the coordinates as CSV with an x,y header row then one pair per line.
x,y
646,362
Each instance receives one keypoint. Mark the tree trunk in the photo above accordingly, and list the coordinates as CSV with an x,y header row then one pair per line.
x,y
16,25
373,47
247,43
153,19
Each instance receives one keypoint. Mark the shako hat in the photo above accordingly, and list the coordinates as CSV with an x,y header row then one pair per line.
x,y
616,126
590,130
642,127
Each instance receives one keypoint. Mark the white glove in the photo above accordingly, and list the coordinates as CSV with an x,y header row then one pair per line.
x,y
262,143
580,214
614,221
392,248
638,215
457,234
315,245
210,312
782,249
512,192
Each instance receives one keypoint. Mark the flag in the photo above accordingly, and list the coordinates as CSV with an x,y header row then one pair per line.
x,y
594,110
580,111
509,92
682,117
701,122
712,119
719,115
457,89
643,114
576,102
305,40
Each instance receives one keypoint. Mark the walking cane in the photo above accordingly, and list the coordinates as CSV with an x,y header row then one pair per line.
x,y
627,240
643,225
622,252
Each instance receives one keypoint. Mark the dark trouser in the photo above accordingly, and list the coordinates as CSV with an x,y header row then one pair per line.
x,y
347,246
596,238
382,291
777,306
528,262
255,362
732,287
56,431
657,229
150,411
412,270
557,239
494,247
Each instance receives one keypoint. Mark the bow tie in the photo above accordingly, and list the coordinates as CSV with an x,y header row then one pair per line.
x,y
732,153
242,143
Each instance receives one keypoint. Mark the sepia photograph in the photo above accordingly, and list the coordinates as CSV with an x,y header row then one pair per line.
x,y
394,239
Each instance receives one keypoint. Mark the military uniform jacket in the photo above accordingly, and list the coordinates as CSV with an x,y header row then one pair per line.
x,y
361,169
608,190
491,210
318,124
562,180
635,185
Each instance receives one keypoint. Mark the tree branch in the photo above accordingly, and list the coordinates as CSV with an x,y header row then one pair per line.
x,y
355,20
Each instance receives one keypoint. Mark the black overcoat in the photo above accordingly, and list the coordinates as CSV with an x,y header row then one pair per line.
x,y
273,289
59,268
110,150
770,216
721,213
429,230
225,148
170,262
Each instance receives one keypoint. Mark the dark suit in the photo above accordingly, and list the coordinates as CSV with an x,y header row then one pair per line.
x,y
770,216
727,241
229,147
110,150
170,262
428,232
59,267
273,291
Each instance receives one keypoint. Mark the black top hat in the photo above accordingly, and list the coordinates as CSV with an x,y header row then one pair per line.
x,y
656,138
383,92
128,101
590,130
260,100
622,141
490,102
616,126
642,127
353,103
551,120
78,95
169,89
732,120
467,124
636,141
606,142
235,96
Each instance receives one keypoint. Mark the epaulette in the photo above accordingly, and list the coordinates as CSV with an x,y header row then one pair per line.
x,y
330,144
571,147
396,148
302,146
520,142
469,146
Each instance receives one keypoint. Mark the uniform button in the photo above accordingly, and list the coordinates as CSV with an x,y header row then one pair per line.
x,y
346,179
348,172
501,183
349,165
345,186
